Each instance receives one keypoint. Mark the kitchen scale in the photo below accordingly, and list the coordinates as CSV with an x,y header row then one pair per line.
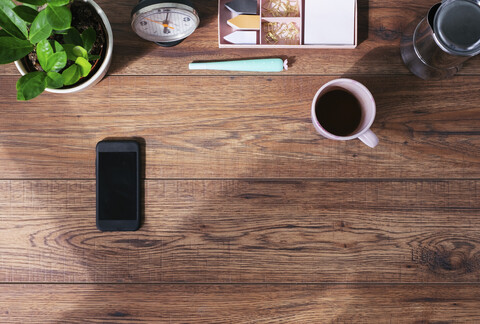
x,y
165,22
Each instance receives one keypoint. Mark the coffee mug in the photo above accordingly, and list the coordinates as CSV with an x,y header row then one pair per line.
x,y
344,109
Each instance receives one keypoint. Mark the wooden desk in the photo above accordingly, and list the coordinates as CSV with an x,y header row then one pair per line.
x,y
250,216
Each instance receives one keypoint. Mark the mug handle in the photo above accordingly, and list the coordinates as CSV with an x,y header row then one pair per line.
x,y
369,138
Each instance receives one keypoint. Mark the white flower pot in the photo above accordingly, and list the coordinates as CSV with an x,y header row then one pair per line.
x,y
102,70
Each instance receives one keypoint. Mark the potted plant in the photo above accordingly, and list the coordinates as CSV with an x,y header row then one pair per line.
x,y
60,46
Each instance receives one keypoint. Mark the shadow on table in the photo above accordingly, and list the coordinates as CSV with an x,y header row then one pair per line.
x,y
197,231
362,20
207,11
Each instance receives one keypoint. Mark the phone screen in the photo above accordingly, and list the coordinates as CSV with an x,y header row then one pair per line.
x,y
117,184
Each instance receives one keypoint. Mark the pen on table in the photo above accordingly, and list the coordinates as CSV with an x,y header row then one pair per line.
x,y
250,65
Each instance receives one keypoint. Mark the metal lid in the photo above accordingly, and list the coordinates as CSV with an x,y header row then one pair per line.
x,y
457,26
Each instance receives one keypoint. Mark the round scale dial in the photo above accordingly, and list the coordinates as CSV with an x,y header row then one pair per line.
x,y
166,23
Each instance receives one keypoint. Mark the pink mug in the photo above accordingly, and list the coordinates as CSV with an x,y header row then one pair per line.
x,y
367,105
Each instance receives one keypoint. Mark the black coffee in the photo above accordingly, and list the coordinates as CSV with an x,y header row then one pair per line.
x,y
339,112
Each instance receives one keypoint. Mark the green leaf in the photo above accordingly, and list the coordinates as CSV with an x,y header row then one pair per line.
x,y
59,17
69,50
35,2
12,49
34,7
89,36
73,52
57,62
4,33
8,3
31,85
71,75
85,66
40,28
44,51
79,51
57,47
11,22
93,57
54,80
61,32
73,37
58,3
26,13
50,60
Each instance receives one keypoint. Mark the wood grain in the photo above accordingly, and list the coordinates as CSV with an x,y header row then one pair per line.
x,y
246,231
239,303
381,25
250,216
235,130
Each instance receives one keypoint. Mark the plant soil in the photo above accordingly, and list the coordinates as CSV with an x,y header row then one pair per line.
x,y
83,17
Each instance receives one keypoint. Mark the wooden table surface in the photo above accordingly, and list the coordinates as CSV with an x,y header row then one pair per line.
x,y
250,216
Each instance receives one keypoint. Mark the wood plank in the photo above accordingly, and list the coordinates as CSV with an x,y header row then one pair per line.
x,y
234,231
381,24
240,303
243,127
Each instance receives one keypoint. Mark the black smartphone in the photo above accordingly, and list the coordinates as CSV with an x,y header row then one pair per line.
x,y
118,185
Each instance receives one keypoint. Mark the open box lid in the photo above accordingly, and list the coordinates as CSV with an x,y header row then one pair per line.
x,y
322,24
